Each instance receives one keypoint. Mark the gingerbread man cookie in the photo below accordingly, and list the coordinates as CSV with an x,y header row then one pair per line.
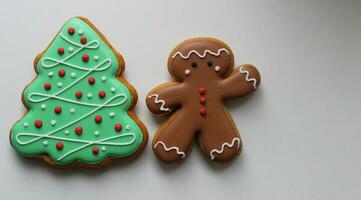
x,y
205,77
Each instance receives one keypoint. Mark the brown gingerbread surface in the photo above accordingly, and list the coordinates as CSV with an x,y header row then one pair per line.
x,y
205,76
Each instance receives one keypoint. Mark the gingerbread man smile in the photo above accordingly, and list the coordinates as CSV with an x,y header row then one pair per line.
x,y
205,77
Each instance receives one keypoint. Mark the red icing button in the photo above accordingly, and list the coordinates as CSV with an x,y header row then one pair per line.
x,y
38,123
61,72
98,119
203,100
95,150
102,94
83,40
91,80
85,57
71,31
202,91
57,110
59,145
118,127
79,130
203,112
47,86
78,94
60,51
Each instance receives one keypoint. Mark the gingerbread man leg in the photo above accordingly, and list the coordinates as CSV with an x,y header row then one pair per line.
x,y
221,141
174,139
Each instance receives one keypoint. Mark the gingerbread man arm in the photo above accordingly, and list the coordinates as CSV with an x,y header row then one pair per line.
x,y
243,81
164,98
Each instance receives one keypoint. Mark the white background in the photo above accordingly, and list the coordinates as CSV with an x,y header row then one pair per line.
x,y
301,129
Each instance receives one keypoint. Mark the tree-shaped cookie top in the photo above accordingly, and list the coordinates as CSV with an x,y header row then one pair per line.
x,y
78,109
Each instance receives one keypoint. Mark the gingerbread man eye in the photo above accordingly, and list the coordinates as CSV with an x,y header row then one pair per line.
x,y
209,63
194,64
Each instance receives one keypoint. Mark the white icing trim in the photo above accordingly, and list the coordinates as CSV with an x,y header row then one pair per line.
x,y
70,123
74,101
157,101
56,62
86,142
247,77
170,148
200,55
223,145
103,142
107,63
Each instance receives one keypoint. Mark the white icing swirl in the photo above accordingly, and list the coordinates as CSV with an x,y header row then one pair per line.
x,y
200,55
223,145
157,101
170,148
248,77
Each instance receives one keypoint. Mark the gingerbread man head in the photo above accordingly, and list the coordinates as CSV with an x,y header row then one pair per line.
x,y
202,59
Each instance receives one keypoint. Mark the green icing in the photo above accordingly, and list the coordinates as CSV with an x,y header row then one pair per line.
x,y
30,141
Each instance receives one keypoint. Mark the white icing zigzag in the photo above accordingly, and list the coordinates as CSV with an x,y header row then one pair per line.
x,y
170,149
223,145
200,55
157,101
247,77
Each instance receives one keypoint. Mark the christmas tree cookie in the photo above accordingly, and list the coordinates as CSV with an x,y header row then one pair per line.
x,y
79,105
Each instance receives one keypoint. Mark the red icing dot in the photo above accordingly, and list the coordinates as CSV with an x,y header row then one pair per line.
x,y
85,57
203,112
60,51
83,40
79,130
47,86
57,110
102,94
91,80
71,31
61,72
202,100
78,94
95,150
98,119
59,145
38,123
118,127
202,91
